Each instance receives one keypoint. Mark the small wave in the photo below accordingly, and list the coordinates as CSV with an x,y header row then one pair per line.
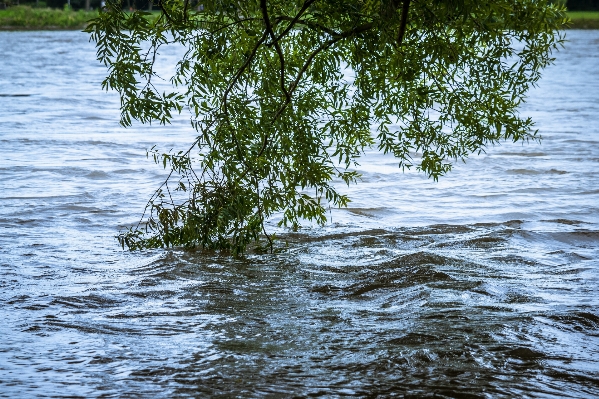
x,y
570,256
535,172
215,287
18,299
19,221
564,221
438,229
408,271
95,328
419,259
368,212
102,360
97,175
586,234
88,209
99,143
91,301
492,290
37,197
579,321
413,338
524,154
153,294
577,237
125,171
485,242
569,271
525,353
301,238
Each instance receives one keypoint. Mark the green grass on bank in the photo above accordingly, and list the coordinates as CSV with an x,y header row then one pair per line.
x,y
24,18
584,19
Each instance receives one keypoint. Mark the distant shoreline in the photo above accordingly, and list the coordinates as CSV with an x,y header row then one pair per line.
x,y
24,18
8,28
584,19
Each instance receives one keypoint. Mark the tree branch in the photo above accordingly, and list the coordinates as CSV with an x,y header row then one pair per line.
x,y
307,4
166,14
404,21
241,69
309,24
321,48
277,46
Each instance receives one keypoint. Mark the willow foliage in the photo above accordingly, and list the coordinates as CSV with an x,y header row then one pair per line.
x,y
285,95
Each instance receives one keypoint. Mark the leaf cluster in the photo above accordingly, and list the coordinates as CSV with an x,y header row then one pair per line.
x,y
285,96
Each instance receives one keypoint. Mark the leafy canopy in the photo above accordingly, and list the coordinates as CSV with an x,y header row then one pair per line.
x,y
285,95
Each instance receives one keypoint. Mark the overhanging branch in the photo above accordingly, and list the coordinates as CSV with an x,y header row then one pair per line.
x,y
271,33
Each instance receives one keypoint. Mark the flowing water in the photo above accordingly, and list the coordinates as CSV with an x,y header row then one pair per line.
x,y
485,284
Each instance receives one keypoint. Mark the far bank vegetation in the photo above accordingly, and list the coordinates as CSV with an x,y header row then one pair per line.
x,y
74,14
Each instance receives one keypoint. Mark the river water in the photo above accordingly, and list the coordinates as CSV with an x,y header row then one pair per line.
x,y
485,284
